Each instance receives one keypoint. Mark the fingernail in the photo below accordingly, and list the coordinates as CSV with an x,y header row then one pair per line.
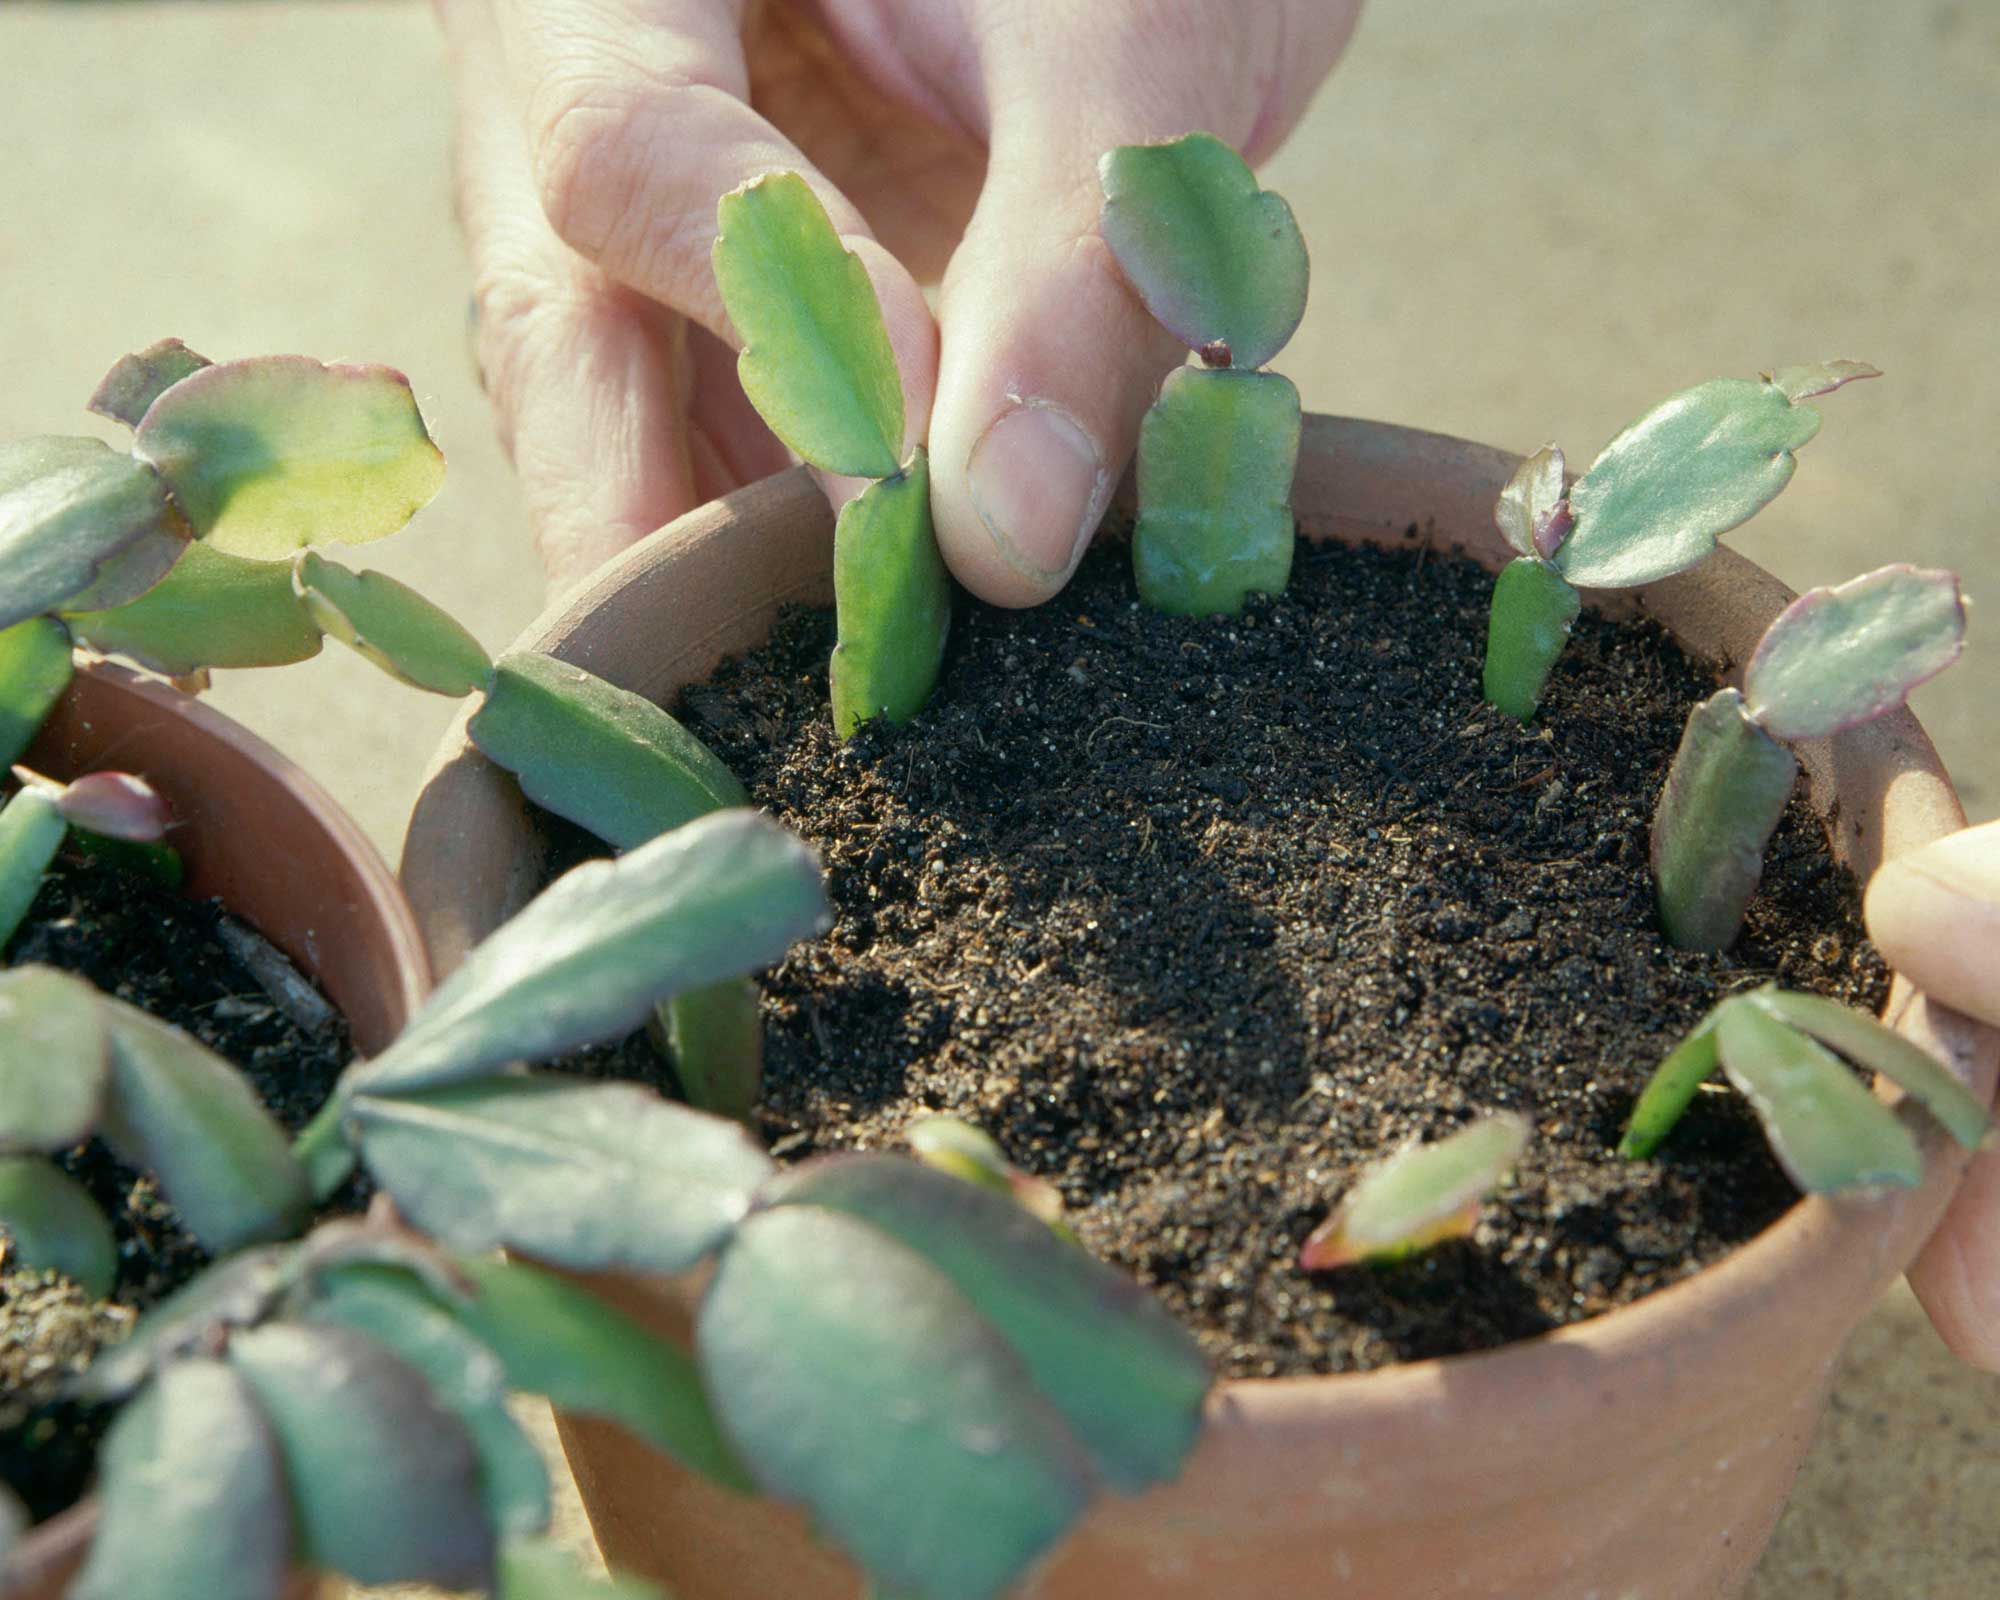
x,y
1038,483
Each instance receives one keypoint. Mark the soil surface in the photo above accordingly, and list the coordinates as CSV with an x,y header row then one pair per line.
x,y
148,945
1200,916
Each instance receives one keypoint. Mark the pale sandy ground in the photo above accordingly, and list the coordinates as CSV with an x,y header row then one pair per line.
x,y
1529,221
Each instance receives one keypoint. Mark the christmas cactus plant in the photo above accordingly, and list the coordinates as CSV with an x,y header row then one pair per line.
x,y
1652,504
1220,264
1832,660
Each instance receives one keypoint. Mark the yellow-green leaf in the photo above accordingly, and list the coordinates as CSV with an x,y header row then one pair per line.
x,y
269,455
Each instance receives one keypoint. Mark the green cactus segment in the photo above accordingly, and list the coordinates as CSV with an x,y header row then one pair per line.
x,y
1216,454
35,669
192,1493
135,381
179,1111
1868,1043
48,1222
384,1479
539,1569
270,455
816,360
606,759
892,597
1838,657
1671,1089
1723,796
80,522
1217,260
1420,1196
591,955
716,1038
1534,608
879,1397
1126,1378
1686,472
583,1174
1827,1131
556,1339
31,832
212,610
391,625
54,1066
233,1294
464,1375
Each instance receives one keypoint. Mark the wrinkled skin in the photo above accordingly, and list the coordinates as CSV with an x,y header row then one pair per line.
x,y
952,141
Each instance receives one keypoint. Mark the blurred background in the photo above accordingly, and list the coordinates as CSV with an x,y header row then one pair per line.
x,y
1529,220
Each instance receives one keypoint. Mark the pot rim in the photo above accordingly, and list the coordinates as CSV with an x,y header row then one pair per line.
x,y
1892,795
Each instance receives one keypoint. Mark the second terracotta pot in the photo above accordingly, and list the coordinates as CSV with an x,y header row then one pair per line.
x,y
1646,1453
258,834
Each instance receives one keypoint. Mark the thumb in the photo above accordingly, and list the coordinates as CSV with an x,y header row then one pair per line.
x,y
1935,916
1048,360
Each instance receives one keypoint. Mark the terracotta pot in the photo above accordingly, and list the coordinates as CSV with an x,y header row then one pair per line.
x,y
255,832
1645,1453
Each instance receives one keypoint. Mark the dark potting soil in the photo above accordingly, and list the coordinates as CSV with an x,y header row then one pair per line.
x,y
1200,916
148,945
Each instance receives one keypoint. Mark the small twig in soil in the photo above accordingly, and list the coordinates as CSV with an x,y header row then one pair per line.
x,y
277,977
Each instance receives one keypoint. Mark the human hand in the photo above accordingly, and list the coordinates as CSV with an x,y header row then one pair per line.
x,y
962,136
1935,916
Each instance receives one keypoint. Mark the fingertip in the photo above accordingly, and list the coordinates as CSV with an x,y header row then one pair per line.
x,y
1935,916
1957,1277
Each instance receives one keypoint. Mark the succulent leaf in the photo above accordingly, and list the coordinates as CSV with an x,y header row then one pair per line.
x,y
31,832
181,1112
1671,1089
269,455
1534,607
135,381
464,1375
192,1494
391,625
54,1066
1696,465
212,610
1528,498
49,1223
384,1479
1827,1131
80,523
1217,260
1868,1043
892,599
232,1294
1723,796
1216,454
1820,377
539,1569
716,1038
1838,657
1123,1375
1419,1196
35,669
13,1522
590,956
604,758
580,1173
816,360
115,805
971,1154
559,1340
879,1397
